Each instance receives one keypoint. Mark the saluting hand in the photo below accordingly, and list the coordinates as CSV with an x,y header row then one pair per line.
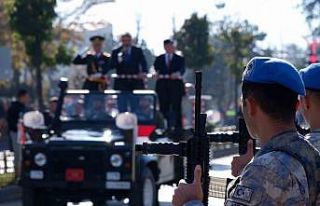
x,y
187,192
239,162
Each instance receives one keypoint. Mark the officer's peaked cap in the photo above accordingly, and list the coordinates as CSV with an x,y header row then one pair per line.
x,y
97,37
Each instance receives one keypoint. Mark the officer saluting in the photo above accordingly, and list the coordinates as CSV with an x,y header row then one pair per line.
x,y
130,65
170,88
286,169
310,104
98,64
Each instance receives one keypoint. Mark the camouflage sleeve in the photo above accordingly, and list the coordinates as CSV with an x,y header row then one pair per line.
x,y
267,181
249,190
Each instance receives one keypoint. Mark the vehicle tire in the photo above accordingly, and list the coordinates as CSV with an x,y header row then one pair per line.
x,y
31,197
146,191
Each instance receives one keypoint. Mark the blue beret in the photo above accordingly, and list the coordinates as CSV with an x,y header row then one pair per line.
x,y
311,76
267,70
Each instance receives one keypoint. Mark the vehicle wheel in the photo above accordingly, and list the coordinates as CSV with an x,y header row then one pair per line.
x,y
146,193
31,197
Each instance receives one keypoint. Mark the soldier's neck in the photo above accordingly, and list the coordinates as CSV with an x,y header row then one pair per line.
x,y
271,128
314,125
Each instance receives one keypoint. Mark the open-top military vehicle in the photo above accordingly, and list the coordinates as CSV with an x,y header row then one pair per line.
x,y
89,152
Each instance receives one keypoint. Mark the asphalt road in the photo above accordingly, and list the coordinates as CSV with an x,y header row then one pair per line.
x,y
220,169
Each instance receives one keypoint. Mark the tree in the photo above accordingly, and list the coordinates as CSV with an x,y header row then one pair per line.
x,y
33,21
9,38
85,6
311,10
193,41
237,44
296,55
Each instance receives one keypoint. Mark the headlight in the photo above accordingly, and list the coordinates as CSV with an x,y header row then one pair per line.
x,y
116,160
40,159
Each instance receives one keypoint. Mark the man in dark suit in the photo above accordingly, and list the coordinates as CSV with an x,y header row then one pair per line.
x,y
170,88
130,65
131,68
98,64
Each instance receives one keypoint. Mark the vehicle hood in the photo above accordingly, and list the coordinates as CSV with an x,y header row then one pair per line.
x,y
105,135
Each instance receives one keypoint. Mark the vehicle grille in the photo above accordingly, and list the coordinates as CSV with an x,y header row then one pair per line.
x,y
92,160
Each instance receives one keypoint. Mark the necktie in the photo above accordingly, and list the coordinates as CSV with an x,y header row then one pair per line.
x,y
169,59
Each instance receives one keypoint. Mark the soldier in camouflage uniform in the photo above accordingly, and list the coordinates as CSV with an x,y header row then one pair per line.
x,y
286,169
310,104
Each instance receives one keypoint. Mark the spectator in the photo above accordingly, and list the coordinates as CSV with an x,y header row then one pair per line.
x,y
51,111
15,111
2,117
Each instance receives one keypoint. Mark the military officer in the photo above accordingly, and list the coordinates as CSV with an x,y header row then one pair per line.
x,y
170,88
310,104
98,64
286,169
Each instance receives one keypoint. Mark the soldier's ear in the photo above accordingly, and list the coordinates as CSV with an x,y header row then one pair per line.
x,y
305,103
252,106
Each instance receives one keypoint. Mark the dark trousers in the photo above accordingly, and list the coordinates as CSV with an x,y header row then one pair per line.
x,y
127,101
170,93
128,84
90,85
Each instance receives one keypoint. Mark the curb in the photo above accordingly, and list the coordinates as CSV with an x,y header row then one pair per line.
x,y
10,193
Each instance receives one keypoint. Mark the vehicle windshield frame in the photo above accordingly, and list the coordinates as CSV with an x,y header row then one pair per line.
x,y
88,122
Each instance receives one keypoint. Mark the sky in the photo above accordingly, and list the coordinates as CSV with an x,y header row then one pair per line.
x,y
282,20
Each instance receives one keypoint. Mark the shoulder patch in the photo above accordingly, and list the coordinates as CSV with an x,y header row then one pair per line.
x,y
243,193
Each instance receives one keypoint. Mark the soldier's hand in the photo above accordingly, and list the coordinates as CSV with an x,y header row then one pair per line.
x,y
187,192
239,162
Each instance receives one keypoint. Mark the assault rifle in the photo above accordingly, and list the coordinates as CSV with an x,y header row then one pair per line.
x,y
196,149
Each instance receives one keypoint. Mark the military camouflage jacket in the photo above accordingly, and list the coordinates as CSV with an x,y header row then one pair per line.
x,y
279,174
283,172
314,138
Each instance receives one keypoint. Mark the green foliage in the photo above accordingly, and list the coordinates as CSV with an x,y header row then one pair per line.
x,y
238,43
193,41
64,55
33,21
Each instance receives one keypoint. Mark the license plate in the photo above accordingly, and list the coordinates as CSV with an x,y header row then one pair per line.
x,y
36,174
74,175
122,185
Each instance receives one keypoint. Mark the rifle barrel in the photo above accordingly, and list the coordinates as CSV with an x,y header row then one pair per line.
x,y
197,109
176,149
224,137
